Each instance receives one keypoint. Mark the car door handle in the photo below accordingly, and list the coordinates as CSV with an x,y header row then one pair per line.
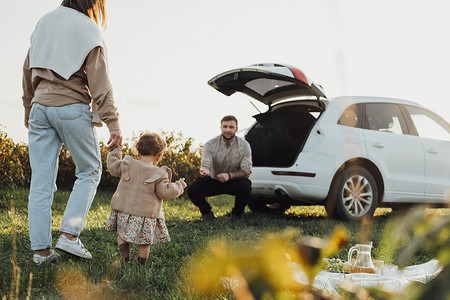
x,y
432,150
378,145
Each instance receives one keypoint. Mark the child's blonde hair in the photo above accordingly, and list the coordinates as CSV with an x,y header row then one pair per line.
x,y
150,143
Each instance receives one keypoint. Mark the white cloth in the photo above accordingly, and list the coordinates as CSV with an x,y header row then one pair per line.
x,y
62,40
329,281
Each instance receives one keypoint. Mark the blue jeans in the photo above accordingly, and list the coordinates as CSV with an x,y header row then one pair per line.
x,y
49,128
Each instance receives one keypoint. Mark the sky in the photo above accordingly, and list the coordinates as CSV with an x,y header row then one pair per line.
x,y
162,53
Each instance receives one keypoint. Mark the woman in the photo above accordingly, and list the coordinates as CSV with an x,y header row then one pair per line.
x,y
66,68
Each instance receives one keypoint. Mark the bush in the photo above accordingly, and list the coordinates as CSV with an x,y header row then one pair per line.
x,y
180,157
15,170
66,170
14,165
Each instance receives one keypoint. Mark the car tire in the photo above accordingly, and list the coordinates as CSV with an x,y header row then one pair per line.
x,y
353,195
264,205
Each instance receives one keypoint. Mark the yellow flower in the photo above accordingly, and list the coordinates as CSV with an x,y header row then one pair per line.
x,y
262,271
312,250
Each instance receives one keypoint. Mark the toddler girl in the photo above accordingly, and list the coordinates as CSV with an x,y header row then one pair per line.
x,y
136,206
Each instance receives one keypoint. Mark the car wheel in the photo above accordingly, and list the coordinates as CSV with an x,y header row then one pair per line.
x,y
354,195
266,205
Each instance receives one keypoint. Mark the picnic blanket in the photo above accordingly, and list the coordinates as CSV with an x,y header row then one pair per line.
x,y
329,281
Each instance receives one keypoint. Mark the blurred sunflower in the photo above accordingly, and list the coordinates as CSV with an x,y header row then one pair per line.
x,y
263,271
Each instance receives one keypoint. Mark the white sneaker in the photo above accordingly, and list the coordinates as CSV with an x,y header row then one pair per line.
x,y
73,247
39,259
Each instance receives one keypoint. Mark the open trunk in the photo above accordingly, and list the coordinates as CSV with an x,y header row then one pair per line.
x,y
278,137
280,133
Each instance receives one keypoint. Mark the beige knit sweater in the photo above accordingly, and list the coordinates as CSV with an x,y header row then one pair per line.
x,y
142,187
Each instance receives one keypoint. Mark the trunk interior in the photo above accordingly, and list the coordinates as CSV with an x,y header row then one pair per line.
x,y
278,136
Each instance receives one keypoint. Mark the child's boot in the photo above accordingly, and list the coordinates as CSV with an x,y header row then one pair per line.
x,y
142,261
125,251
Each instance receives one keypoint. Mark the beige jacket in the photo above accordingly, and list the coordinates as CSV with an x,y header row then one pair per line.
x,y
91,82
142,187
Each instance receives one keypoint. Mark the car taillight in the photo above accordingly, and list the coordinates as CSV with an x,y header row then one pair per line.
x,y
299,75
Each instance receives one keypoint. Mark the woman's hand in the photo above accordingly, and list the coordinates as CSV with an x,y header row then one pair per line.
x,y
115,140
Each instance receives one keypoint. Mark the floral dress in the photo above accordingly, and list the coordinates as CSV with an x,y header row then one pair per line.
x,y
142,188
138,230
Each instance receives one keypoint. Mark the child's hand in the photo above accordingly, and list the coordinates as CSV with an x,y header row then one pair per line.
x,y
183,184
120,147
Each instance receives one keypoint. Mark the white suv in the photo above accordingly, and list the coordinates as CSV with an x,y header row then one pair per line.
x,y
350,154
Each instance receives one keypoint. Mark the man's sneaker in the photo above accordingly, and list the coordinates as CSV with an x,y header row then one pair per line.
x,y
73,247
39,259
209,216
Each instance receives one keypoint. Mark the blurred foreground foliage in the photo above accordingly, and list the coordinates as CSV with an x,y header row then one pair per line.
x,y
427,233
15,169
266,270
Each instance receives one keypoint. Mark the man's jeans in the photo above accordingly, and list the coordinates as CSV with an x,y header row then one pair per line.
x,y
206,187
49,128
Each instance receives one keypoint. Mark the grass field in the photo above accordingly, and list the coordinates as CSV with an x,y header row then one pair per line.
x,y
161,277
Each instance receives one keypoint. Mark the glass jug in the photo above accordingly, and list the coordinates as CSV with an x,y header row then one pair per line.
x,y
363,262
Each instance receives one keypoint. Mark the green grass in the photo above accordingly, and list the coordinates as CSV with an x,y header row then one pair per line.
x,y
160,278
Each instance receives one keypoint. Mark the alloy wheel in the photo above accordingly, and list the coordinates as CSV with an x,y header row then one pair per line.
x,y
357,195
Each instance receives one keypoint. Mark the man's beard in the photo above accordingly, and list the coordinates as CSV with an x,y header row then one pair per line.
x,y
228,139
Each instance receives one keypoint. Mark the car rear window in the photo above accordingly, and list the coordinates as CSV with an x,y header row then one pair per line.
x,y
263,85
385,117
352,116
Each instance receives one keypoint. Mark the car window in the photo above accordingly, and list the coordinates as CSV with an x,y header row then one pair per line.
x,y
429,125
385,117
352,116
263,85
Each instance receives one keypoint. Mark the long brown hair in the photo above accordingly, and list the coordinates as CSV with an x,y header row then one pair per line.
x,y
94,9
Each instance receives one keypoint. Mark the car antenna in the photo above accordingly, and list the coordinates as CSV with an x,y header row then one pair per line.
x,y
252,103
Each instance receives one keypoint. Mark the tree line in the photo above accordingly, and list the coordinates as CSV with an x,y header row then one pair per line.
x,y
15,170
